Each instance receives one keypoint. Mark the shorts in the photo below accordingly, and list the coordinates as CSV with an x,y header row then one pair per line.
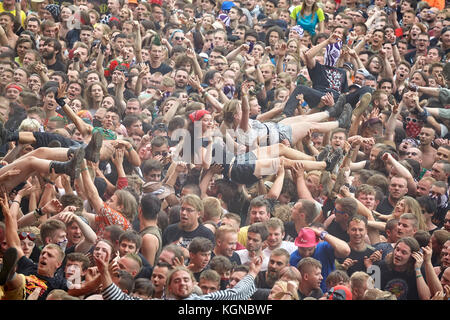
x,y
285,132
242,169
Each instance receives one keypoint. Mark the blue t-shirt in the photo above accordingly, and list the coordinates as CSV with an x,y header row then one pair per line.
x,y
325,254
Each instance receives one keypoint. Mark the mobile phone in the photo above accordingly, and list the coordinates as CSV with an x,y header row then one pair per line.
x,y
251,45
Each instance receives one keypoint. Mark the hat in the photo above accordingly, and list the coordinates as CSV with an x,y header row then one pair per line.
x,y
158,189
340,293
227,5
306,238
349,65
132,1
198,114
55,10
271,23
160,127
363,71
363,13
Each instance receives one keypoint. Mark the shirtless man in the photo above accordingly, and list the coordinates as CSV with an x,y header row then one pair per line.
x,y
426,137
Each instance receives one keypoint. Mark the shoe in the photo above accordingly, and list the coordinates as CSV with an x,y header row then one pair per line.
x,y
71,167
334,160
364,102
345,119
336,110
92,150
324,153
9,263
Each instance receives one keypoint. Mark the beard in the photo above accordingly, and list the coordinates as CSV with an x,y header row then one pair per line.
x,y
272,277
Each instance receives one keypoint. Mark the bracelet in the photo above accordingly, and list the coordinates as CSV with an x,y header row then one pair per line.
x,y
418,276
86,168
16,202
129,149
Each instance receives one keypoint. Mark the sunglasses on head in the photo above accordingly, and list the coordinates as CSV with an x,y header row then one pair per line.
x,y
411,119
30,235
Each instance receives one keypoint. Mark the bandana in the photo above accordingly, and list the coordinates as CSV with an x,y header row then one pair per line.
x,y
15,86
332,53
299,30
413,129
197,115
107,134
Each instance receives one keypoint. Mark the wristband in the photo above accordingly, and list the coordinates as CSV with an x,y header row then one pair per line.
x,y
38,212
418,276
86,168
129,149
16,202
323,234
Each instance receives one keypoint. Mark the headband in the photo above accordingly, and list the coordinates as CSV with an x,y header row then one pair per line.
x,y
197,115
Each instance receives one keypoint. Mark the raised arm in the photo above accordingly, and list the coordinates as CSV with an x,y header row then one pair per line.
x,y
341,248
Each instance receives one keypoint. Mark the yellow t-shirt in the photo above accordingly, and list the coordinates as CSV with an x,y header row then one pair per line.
x,y
23,16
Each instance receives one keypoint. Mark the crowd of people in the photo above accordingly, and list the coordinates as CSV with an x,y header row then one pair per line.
x,y
224,150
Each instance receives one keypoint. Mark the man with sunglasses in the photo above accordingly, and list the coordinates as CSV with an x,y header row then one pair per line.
x,y
337,223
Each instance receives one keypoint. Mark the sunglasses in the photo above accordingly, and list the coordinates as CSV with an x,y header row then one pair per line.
x,y
179,38
157,153
411,119
30,235
411,153
338,211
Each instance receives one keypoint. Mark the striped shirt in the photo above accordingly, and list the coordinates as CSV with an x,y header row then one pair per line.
x,y
243,290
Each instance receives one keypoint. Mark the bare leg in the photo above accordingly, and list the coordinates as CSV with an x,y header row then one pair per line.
x,y
26,166
280,150
315,117
58,154
300,131
307,164
266,167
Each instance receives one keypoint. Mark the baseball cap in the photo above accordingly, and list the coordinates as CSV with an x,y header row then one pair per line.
x,y
160,127
349,65
227,5
340,293
306,238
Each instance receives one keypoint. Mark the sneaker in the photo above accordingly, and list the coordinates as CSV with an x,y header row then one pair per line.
x,y
336,110
9,263
345,119
324,153
364,102
334,160
92,150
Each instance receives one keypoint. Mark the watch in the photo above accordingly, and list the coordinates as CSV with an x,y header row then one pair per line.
x,y
323,234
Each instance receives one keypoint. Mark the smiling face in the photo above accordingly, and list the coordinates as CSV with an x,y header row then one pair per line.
x,y
181,284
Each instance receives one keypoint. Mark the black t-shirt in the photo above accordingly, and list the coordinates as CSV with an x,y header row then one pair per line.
x,y
357,255
163,68
336,230
33,280
127,94
57,66
328,79
403,285
173,232
316,293
385,207
289,231
234,259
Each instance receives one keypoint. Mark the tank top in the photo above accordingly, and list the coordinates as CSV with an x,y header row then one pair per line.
x,y
154,230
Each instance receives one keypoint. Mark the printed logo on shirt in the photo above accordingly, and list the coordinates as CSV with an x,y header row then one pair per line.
x,y
398,287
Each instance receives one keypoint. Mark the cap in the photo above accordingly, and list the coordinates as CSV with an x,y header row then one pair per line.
x,y
306,238
271,23
160,127
158,189
349,65
340,293
132,1
227,5
364,72
363,13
